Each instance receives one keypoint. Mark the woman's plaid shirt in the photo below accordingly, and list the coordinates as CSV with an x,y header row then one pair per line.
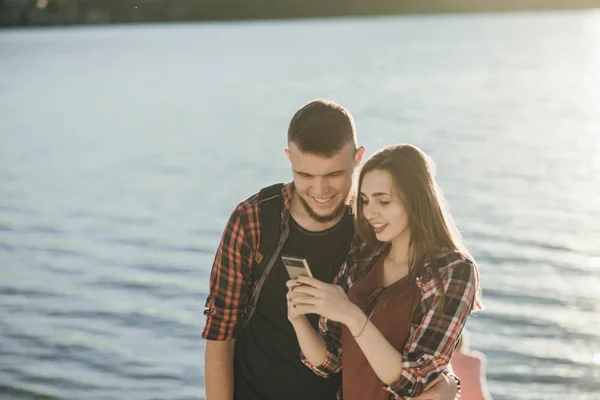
x,y
433,335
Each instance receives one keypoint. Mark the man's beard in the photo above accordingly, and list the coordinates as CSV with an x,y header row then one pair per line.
x,y
323,218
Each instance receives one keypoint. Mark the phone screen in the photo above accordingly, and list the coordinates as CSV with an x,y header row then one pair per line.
x,y
296,266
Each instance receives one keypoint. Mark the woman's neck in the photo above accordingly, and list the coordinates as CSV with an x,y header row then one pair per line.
x,y
400,252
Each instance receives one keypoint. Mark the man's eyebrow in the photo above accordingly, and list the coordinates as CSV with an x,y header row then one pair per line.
x,y
340,171
301,172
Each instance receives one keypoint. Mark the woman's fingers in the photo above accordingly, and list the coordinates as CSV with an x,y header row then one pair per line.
x,y
307,280
292,283
299,304
295,298
308,290
302,309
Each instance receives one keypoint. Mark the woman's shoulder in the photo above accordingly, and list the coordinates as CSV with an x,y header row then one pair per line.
x,y
449,259
454,264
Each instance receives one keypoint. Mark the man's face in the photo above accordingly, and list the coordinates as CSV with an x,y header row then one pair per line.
x,y
323,184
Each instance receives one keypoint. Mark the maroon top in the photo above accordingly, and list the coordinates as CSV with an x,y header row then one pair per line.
x,y
392,312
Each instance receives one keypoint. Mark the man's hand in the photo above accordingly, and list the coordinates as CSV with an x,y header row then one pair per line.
x,y
445,389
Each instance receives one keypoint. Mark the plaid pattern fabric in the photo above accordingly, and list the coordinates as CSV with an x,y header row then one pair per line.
x,y
433,335
232,288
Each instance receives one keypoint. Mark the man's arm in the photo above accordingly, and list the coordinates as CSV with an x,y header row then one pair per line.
x,y
226,304
218,369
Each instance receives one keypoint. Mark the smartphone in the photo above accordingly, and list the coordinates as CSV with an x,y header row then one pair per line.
x,y
296,266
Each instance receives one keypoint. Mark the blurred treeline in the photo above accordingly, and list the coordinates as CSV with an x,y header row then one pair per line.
x,y
67,12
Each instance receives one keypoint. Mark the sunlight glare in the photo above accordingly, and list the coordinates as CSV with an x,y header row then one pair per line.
x,y
591,82
591,78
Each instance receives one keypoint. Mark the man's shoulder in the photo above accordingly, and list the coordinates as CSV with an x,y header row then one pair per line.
x,y
250,207
247,205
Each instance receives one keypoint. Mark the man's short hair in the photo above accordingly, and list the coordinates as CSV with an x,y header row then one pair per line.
x,y
322,127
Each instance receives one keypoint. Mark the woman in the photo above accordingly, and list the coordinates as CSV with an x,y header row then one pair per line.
x,y
410,286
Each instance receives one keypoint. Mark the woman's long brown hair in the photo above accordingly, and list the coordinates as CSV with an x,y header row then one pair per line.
x,y
432,229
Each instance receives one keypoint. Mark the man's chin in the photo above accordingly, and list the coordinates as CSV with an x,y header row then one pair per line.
x,y
323,217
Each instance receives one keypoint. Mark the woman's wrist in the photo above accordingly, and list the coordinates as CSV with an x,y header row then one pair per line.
x,y
299,320
355,320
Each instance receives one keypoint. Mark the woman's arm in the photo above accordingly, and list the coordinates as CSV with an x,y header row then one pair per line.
x,y
434,336
385,360
331,302
311,343
432,341
322,350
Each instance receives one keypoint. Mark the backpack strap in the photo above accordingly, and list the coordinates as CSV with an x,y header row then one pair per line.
x,y
272,239
269,203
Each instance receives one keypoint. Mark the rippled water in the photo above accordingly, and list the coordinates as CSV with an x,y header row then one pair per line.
x,y
123,150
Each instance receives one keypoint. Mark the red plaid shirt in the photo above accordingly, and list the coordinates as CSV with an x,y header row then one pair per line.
x,y
232,288
433,335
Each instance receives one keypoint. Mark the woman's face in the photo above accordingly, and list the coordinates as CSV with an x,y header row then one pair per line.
x,y
382,206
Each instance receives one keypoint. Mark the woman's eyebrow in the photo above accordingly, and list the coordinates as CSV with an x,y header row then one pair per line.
x,y
376,194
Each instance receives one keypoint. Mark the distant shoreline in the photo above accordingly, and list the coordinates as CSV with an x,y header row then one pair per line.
x,y
44,13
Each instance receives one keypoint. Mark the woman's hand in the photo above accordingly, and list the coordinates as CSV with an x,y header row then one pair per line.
x,y
308,295
293,299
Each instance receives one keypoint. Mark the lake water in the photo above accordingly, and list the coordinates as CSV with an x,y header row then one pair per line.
x,y
123,149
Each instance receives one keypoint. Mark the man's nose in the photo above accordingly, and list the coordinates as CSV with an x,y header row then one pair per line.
x,y
320,186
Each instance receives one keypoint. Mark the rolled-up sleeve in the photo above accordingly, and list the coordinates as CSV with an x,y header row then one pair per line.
x,y
432,341
331,331
229,282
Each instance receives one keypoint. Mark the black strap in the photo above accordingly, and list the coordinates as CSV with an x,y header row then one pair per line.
x,y
271,240
269,202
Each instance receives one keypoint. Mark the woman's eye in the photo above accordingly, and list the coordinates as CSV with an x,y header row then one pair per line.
x,y
384,203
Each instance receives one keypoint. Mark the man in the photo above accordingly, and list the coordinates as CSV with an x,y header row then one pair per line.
x,y
251,351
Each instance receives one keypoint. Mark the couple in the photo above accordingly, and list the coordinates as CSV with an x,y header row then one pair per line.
x,y
392,286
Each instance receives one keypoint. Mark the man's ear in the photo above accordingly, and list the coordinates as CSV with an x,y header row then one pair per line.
x,y
287,154
360,152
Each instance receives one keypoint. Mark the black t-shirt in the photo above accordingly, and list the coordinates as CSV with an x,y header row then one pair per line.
x,y
267,354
